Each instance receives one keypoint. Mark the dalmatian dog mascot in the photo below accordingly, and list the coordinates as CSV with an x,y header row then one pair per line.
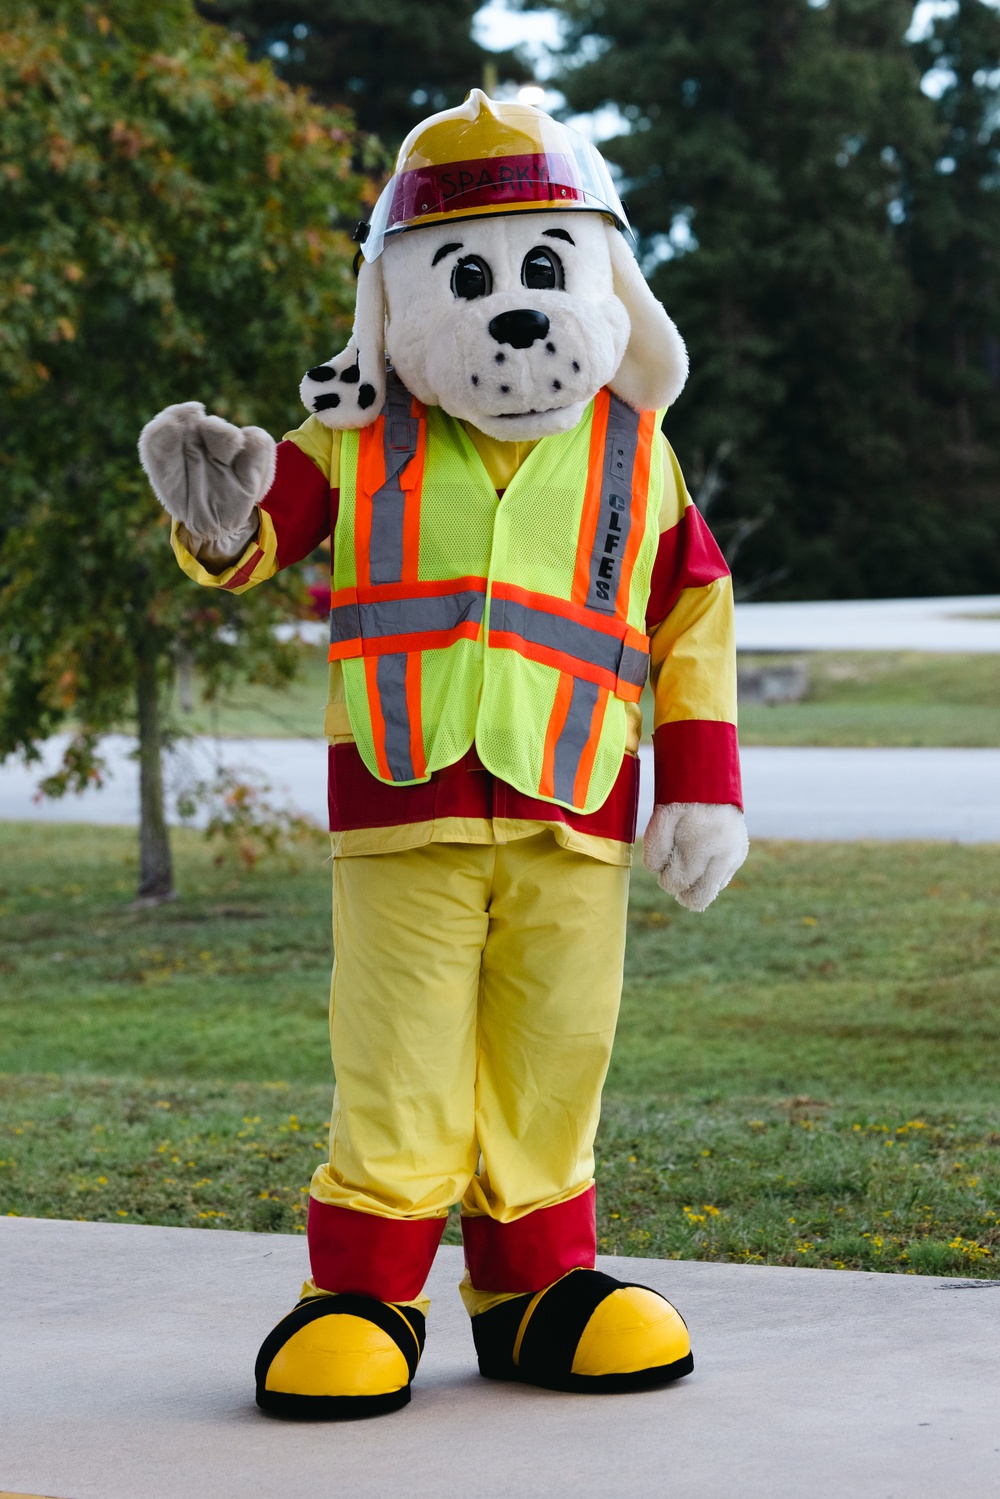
x,y
514,556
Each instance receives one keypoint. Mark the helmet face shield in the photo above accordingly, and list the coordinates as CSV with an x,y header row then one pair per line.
x,y
489,158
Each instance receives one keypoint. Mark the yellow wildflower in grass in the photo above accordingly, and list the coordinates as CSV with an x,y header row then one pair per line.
x,y
970,1249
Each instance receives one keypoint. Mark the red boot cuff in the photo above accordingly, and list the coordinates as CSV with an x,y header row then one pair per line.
x,y
532,1251
388,1258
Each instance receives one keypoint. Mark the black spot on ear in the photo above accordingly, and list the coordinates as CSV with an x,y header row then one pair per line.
x,y
366,395
351,375
322,373
327,402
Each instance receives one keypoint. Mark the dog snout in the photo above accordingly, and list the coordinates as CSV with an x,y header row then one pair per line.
x,y
519,328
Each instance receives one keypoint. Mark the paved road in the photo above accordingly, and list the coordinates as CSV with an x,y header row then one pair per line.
x,y
970,623
951,624
130,1378
794,793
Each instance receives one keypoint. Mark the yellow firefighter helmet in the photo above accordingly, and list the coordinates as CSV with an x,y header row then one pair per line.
x,y
488,157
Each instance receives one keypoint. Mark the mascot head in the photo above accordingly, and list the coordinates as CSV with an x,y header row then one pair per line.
x,y
496,277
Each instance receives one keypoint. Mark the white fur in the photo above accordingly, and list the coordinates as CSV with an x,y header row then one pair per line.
x,y
605,328
365,354
655,367
208,474
695,848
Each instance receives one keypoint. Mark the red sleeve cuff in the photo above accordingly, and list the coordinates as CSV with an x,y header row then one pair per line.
x,y
300,503
697,760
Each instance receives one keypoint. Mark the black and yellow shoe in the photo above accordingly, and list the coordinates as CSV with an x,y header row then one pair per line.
x,y
340,1358
586,1332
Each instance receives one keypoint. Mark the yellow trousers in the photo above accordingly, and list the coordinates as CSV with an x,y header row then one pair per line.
x,y
473,1006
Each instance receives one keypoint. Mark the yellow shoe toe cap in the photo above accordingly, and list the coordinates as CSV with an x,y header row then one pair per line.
x,y
338,1356
631,1330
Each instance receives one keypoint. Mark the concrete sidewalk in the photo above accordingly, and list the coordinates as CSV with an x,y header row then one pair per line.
x,y
126,1356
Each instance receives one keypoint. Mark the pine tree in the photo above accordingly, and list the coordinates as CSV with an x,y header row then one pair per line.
x,y
951,230
392,63
771,144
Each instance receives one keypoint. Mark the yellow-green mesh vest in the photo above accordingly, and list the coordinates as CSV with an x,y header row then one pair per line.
x,y
515,623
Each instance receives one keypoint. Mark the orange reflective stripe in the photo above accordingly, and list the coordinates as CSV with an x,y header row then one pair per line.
x,y
640,498
370,478
391,617
589,751
596,648
378,722
412,481
372,620
592,496
413,642
557,720
418,764
613,520
571,739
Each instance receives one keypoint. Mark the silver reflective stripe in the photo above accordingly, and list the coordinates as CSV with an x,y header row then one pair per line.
x,y
614,519
634,666
420,616
345,623
573,739
399,445
390,674
558,633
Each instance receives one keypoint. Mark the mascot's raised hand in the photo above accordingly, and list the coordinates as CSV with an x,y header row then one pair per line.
x,y
514,555
208,475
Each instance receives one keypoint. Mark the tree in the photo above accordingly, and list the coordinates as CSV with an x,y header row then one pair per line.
x,y
391,63
951,230
164,235
771,148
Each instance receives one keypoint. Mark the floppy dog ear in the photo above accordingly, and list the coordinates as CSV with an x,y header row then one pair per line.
x,y
655,366
349,391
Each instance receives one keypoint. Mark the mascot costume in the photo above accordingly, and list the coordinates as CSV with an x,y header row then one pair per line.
x,y
514,553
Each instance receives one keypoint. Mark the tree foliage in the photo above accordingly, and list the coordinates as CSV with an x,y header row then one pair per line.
x,y
391,63
782,168
165,235
951,234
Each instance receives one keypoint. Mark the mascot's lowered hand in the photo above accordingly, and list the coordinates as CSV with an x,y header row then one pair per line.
x,y
514,555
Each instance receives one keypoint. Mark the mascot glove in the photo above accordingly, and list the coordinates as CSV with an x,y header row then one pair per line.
x,y
208,474
695,848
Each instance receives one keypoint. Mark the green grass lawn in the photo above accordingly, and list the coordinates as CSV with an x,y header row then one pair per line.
x,y
898,698
255,711
866,698
804,1075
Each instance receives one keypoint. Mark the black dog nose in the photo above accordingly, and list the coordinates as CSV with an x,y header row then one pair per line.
x,y
520,328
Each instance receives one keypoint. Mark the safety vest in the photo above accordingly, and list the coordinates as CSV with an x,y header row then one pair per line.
x,y
515,623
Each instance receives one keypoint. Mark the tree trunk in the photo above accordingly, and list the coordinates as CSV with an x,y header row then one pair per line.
x,y
156,875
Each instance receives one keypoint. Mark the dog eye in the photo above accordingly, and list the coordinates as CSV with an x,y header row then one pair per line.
x,y
542,270
471,278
